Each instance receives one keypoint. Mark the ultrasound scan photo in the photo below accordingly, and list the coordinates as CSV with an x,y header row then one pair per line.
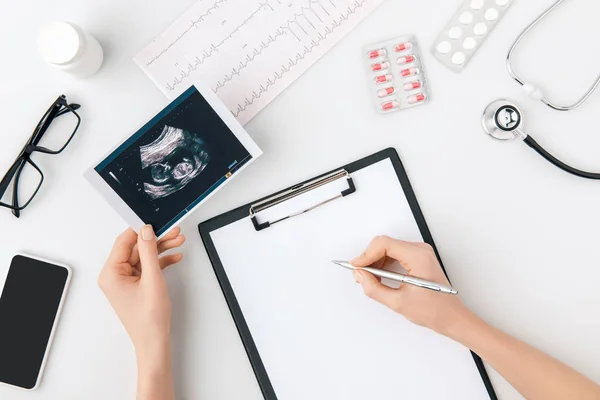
x,y
174,161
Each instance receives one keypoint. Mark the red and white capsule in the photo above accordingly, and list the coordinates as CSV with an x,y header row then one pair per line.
x,y
405,59
383,78
380,66
377,53
416,98
409,72
403,47
386,92
390,105
408,86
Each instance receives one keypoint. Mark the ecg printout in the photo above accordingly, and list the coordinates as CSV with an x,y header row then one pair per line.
x,y
248,51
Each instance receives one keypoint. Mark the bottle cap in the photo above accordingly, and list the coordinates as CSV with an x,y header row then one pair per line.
x,y
59,42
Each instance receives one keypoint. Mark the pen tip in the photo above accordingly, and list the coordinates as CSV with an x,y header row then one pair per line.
x,y
344,264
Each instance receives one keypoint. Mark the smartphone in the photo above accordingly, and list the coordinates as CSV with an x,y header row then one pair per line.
x,y
30,305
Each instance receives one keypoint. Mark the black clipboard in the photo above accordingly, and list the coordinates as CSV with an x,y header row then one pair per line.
x,y
205,228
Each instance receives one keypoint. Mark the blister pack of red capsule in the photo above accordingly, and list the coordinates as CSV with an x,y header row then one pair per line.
x,y
397,77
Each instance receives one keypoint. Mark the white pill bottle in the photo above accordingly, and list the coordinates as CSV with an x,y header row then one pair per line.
x,y
69,48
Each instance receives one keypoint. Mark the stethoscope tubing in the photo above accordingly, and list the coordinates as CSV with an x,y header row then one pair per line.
x,y
514,75
556,162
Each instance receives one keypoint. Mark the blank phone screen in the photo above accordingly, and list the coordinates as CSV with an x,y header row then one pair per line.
x,y
28,306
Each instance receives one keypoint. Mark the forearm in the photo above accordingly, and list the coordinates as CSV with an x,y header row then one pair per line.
x,y
533,373
155,375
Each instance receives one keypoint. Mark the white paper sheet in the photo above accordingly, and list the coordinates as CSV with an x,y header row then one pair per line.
x,y
318,336
248,51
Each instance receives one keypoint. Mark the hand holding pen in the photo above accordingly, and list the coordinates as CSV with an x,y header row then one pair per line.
x,y
428,308
408,279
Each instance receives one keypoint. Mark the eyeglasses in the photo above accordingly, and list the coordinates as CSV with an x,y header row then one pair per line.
x,y
51,136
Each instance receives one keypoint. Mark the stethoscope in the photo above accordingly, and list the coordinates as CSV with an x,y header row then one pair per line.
x,y
503,119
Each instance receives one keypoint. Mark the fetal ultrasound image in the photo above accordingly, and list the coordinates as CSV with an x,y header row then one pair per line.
x,y
174,161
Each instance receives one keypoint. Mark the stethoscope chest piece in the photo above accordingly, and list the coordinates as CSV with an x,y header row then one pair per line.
x,y
503,120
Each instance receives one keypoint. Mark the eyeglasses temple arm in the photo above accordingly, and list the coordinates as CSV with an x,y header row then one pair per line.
x,y
40,133
8,177
16,210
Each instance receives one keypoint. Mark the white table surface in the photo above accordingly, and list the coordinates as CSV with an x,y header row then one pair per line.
x,y
519,238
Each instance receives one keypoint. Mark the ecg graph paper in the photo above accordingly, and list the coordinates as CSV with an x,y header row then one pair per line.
x,y
248,51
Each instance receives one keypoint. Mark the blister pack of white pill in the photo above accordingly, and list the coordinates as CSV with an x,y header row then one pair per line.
x,y
397,78
467,30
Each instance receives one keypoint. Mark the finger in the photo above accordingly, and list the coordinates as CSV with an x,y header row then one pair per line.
x,y
134,258
148,249
375,289
173,233
121,250
169,260
382,263
114,277
162,247
383,246
170,244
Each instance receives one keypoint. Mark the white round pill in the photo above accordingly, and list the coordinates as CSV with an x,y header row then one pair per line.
x,y
455,32
466,18
491,14
458,58
480,29
476,4
469,43
502,2
444,47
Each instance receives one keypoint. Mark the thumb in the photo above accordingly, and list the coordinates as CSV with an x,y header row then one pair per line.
x,y
148,250
364,260
374,289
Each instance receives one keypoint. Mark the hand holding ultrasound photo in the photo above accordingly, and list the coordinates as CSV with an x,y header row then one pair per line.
x,y
174,162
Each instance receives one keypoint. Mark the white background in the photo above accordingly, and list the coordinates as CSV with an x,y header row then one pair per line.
x,y
519,238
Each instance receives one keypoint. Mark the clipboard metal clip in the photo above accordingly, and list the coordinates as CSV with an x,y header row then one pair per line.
x,y
297,191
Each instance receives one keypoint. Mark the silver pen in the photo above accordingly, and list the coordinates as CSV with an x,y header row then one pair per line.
x,y
411,280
